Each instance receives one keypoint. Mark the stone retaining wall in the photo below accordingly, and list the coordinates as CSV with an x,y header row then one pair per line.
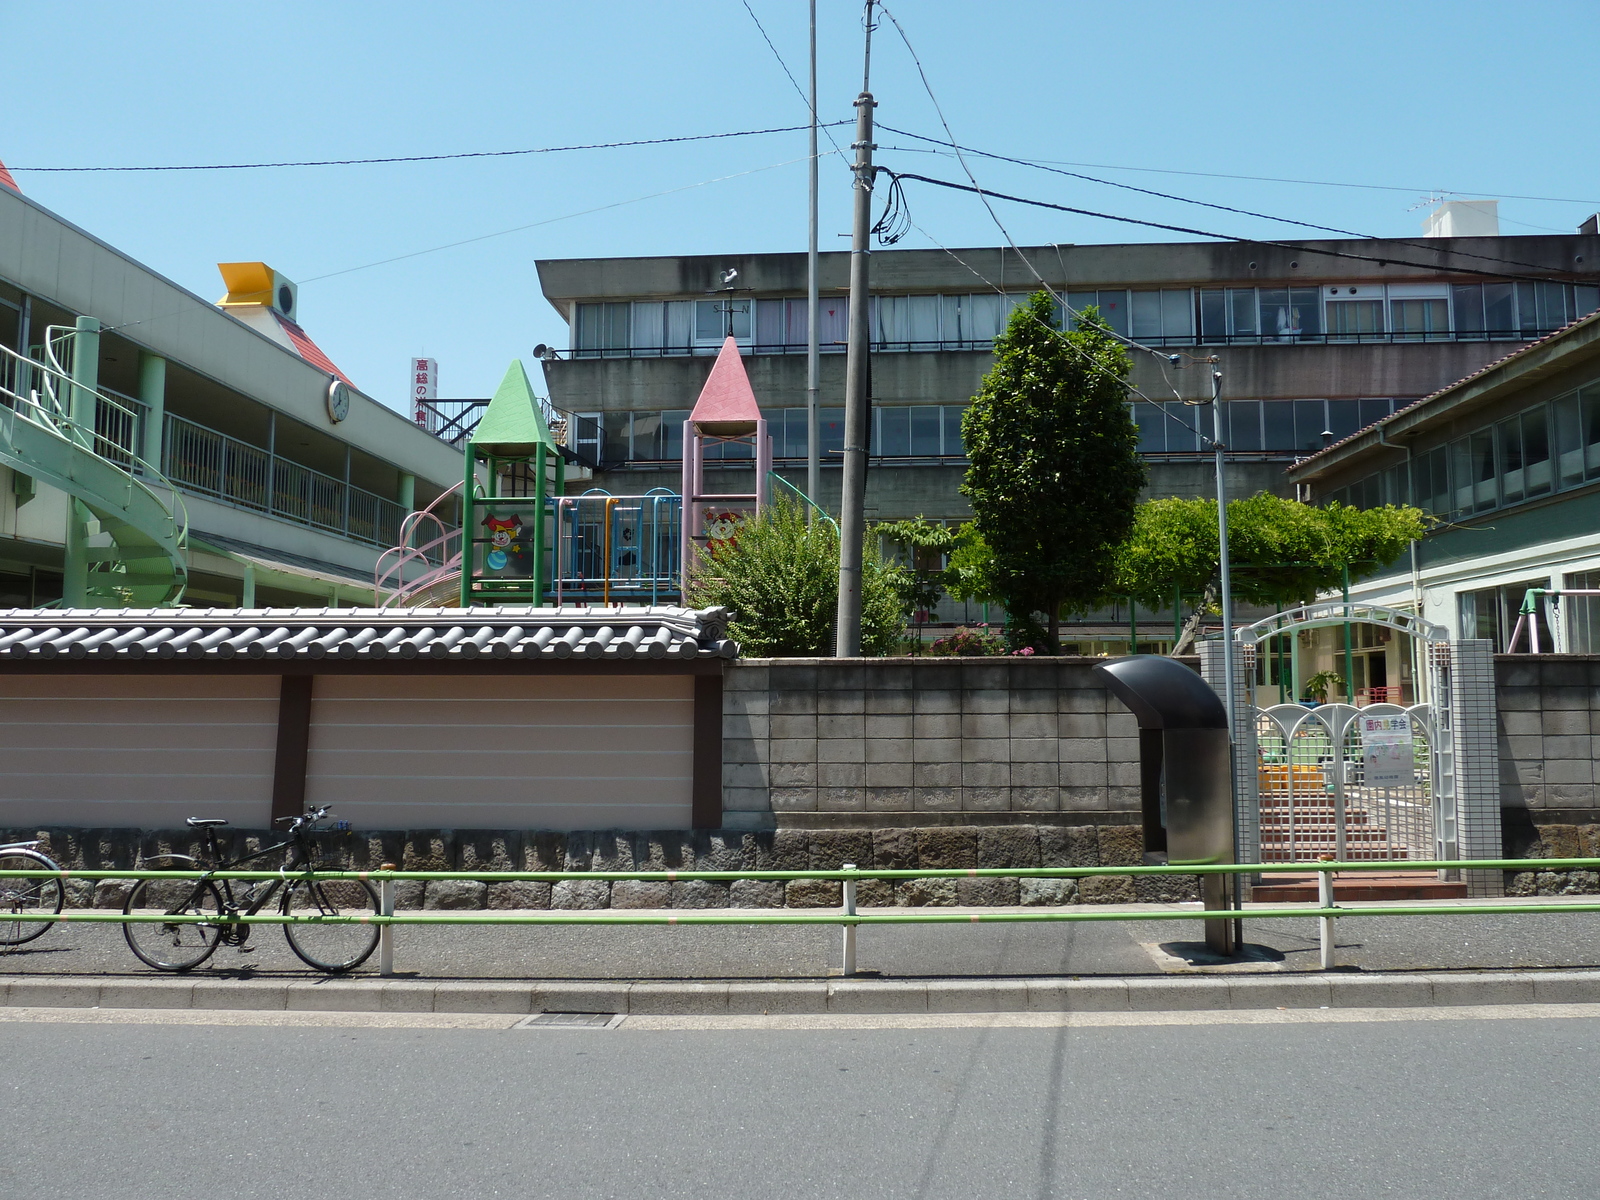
x,y
718,850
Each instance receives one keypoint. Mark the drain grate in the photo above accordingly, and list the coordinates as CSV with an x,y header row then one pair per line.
x,y
567,1020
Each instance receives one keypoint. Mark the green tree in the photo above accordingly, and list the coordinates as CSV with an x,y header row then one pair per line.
x,y
1281,552
1055,472
779,578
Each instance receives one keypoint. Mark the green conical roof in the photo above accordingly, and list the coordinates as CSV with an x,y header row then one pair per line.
x,y
512,425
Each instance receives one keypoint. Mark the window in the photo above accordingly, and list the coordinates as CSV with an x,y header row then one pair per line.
x,y
1151,424
1344,418
1244,425
1158,316
1287,314
926,425
1583,613
1543,307
770,324
714,320
602,328
649,326
1310,420
1277,419
1491,614
953,445
1352,318
906,322
1431,482
1472,472
1418,318
1112,306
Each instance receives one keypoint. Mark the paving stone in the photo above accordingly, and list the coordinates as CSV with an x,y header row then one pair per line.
x,y
926,893
831,849
1047,892
756,893
699,893
1008,846
1121,845
1106,889
638,893
946,847
896,849
580,894
813,893
454,893
990,891
518,894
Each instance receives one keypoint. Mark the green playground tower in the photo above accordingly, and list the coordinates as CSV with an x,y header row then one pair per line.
x,y
505,538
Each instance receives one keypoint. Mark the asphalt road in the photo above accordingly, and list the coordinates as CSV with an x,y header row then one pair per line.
x,y
960,950
1404,1108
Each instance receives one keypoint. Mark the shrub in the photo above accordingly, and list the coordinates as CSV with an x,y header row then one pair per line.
x,y
779,578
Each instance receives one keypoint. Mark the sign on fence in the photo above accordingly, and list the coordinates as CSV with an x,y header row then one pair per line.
x,y
1387,751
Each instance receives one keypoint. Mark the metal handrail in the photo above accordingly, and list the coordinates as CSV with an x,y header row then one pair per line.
x,y
773,476
57,419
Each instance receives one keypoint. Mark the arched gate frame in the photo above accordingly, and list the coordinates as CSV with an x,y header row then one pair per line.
x,y
1456,719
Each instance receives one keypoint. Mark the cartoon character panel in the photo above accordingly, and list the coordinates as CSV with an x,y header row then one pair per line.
x,y
503,547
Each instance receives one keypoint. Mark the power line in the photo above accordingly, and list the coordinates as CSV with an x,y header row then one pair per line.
x,y
409,158
564,217
1383,260
1245,212
804,99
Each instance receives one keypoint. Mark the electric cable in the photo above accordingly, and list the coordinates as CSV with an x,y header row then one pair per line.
x,y
1039,166
1382,260
804,99
409,158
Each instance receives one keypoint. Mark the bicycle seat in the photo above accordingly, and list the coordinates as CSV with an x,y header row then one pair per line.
x,y
202,822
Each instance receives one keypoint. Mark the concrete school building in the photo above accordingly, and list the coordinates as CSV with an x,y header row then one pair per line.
x,y
291,478
1312,338
1507,462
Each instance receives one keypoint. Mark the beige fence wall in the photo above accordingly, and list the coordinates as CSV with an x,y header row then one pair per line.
x,y
506,752
100,751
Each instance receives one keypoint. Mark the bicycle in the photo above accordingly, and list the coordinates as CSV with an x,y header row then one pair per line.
x,y
334,947
18,895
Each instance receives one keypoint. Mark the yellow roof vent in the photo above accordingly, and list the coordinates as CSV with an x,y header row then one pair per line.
x,y
254,284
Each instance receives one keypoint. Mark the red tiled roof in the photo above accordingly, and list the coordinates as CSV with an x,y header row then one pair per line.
x,y
1525,348
308,349
6,180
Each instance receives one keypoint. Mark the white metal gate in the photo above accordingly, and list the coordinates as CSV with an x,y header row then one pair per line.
x,y
1356,784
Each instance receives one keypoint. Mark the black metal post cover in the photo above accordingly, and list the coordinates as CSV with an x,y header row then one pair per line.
x,y
1164,694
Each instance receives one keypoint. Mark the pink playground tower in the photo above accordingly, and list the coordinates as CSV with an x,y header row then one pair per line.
x,y
726,412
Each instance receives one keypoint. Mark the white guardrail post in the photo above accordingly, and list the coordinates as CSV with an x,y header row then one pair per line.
x,y
1325,900
386,932
847,964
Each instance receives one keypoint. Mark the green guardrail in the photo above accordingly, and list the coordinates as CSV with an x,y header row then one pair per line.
x,y
846,916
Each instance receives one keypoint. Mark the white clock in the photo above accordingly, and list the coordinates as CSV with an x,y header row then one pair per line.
x,y
338,399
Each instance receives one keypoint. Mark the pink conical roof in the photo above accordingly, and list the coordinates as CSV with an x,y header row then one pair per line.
x,y
7,181
727,407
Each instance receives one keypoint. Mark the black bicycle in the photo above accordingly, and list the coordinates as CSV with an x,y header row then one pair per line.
x,y
333,946
22,895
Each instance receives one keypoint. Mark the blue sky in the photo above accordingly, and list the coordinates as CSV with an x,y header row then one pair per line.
x,y
1485,100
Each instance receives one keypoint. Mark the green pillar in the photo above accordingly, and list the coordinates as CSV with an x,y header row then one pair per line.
x,y
466,529
248,598
539,573
86,380
153,394
407,492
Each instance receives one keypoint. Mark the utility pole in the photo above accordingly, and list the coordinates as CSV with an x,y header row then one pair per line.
x,y
857,385
813,347
1219,444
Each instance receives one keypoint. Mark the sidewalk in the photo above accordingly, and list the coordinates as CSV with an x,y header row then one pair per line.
x,y
1054,966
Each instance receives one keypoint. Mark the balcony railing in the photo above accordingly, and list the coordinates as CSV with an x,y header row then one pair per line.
x,y
202,460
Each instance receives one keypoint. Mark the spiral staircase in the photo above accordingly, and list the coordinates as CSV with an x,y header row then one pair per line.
x,y
137,540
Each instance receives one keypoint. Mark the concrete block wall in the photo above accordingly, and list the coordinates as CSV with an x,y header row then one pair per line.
x,y
1549,735
924,741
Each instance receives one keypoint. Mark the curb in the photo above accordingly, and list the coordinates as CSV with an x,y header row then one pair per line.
x,y
679,998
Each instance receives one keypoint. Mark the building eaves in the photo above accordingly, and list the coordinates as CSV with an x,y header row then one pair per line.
x,y
606,635
1440,404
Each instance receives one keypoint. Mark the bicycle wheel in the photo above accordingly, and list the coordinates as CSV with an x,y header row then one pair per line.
x,y
324,943
19,896
178,946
